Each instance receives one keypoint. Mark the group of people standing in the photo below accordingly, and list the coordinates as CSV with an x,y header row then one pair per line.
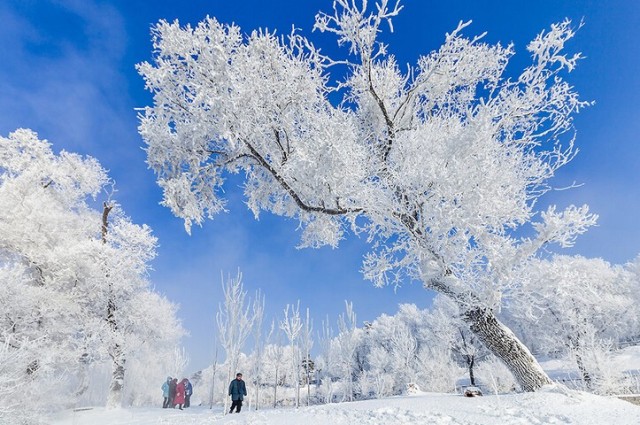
x,y
179,393
176,393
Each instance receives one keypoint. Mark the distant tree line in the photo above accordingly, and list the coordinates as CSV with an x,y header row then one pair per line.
x,y
583,313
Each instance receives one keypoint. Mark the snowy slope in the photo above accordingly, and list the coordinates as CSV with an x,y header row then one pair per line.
x,y
554,405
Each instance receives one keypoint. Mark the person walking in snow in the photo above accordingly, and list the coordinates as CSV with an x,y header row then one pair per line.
x,y
172,392
165,393
188,390
179,400
237,391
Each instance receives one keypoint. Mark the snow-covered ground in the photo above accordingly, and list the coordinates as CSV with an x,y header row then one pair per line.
x,y
553,405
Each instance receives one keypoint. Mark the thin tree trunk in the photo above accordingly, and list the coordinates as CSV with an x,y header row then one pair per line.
x,y
575,346
586,376
470,362
116,352
275,390
508,348
226,396
308,383
257,377
213,377
297,378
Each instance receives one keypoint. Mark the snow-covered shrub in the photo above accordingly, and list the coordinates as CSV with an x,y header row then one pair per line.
x,y
439,372
494,377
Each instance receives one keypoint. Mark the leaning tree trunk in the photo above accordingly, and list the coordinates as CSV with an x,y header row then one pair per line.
x,y
507,347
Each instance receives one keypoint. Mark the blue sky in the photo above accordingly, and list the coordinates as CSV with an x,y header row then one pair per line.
x,y
68,73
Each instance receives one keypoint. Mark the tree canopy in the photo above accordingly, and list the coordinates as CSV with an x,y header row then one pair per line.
x,y
440,165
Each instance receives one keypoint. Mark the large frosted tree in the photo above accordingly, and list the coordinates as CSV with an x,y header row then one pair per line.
x,y
441,165
74,292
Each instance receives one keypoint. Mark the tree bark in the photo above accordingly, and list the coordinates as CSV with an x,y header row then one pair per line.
x,y
116,352
507,347
470,363
275,390
574,344
117,377
586,376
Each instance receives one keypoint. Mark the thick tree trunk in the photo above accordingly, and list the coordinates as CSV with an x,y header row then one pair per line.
x,y
507,347
117,377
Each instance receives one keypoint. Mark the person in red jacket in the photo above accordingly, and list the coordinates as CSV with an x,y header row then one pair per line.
x,y
179,400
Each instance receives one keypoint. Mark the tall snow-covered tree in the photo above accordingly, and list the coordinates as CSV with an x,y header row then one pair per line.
x,y
347,344
274,354
441,164
327,360
292,326
234,321
72,293
306,344
48,248
258,344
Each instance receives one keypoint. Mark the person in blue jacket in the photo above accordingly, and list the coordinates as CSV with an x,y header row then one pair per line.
x,y
237,391
165,392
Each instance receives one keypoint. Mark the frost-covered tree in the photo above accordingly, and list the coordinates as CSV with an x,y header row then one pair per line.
x,y
347,345
441,164
274,359
326,360
48,249
258,344
75,297
444,320
575,306
15,356
153,332
412,346
127,250
234,322
632,269
292,326
306,344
